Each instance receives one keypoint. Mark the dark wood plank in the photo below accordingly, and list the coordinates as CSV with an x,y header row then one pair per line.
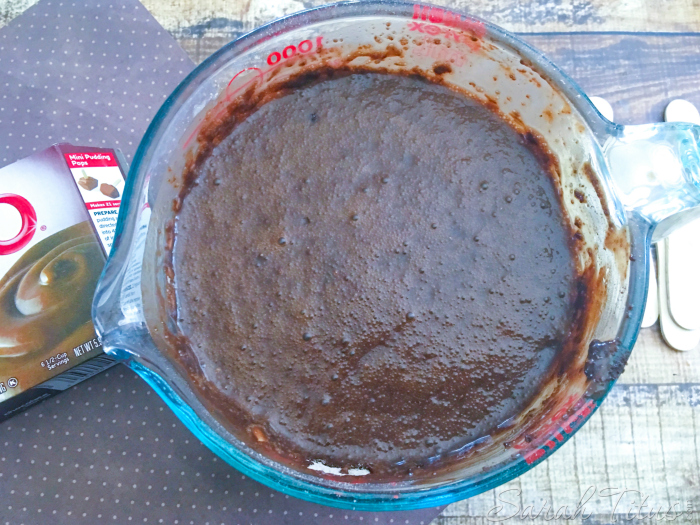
x,y
222,18
637,73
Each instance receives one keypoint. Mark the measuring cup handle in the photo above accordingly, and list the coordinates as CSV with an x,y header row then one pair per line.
x,y
656,172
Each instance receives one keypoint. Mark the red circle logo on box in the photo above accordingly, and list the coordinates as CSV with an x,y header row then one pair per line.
x,y
26,232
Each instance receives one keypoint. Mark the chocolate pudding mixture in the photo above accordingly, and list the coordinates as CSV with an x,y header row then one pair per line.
x,y
373,271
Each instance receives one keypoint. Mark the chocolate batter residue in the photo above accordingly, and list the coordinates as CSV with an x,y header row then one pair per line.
x,y
372,271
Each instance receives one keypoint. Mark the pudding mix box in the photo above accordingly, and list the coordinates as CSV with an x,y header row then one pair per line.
x,y
58,213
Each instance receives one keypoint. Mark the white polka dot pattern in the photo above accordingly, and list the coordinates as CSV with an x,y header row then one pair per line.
x,y
110,451
86,72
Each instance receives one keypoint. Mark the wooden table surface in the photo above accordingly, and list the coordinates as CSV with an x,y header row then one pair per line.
x,y
645,438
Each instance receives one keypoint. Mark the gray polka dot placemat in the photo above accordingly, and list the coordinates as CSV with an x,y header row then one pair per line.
x,y
109,450
86,72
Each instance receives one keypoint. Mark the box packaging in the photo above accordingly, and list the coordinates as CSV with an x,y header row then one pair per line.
x,y
58,213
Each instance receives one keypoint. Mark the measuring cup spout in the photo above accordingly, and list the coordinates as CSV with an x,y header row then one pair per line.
x,y
656,172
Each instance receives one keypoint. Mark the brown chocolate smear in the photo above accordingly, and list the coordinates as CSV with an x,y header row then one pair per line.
x,y
423,291
109,190
87,183
603,363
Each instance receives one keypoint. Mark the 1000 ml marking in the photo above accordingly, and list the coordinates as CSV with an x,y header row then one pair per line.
x,y
274,60
305,46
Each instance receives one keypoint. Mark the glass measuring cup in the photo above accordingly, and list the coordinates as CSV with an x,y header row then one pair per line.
x,y
621,186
